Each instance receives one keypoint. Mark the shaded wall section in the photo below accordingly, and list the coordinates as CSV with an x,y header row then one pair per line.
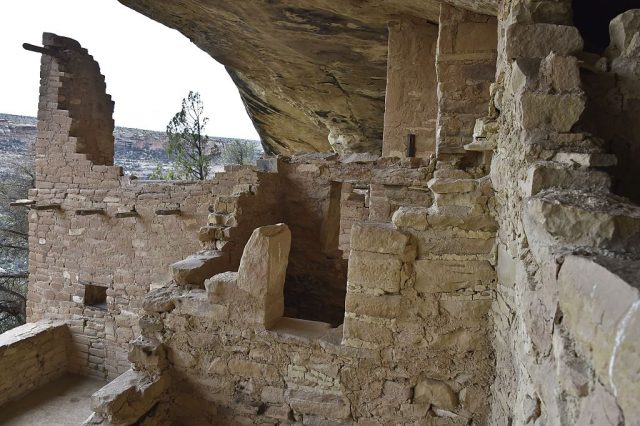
x,y
411,102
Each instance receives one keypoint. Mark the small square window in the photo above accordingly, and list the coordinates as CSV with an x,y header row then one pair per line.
x,y
96,296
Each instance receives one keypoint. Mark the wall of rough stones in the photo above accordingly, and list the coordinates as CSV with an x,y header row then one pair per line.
x,y
564,347
465,63
32,355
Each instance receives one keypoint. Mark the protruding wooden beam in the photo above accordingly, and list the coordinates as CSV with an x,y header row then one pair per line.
x,y
168,212
411,145
52,206
40,49
131,213
89,212
22,203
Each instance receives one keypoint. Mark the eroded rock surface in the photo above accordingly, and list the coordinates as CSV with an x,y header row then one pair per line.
x,y
312,74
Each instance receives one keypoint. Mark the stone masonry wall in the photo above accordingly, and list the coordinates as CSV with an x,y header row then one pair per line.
x,y
414,346
465,65
564,345
92,227
410,99
32,355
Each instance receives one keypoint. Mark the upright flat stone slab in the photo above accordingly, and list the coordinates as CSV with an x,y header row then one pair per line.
x,y
263,267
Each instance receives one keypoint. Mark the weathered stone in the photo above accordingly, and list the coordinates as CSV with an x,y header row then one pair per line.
x,y
600,301
375,271
195,269
147,354
576,218
129,397
560,73
622,29
586,159
220,288
436,242
537,40
547,174
246,368
263,267
438,276
410,217
367,331
378,239
325,405
435,392
374,306
554,112
446,186
600,408
161,299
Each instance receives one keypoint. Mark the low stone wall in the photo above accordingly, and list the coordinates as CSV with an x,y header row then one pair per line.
x,y
32,355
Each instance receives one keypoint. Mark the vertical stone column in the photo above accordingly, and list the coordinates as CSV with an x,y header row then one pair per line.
x,y
380,265
410,102
465,63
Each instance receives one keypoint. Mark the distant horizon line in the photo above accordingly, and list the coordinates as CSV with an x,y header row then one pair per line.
x,y
137,128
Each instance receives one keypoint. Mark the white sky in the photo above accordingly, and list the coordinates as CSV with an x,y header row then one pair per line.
x,y
148,67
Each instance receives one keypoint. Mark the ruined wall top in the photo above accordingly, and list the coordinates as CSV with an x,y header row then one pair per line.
x,y
75,125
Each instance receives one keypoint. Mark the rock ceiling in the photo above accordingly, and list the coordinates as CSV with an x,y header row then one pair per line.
x,y
308,71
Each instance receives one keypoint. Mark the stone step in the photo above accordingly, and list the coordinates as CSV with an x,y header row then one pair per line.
x,y
578,218
576,143
451,185
195,269
551,174
586,159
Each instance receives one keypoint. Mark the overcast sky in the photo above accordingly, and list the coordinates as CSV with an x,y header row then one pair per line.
x,y
148,67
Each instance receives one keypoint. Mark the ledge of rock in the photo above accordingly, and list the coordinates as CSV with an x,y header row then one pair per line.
x,y
312,74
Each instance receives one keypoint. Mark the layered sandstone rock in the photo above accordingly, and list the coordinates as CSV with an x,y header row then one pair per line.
x,y
312,74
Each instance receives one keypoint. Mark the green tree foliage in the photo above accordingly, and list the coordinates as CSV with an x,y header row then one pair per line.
x,y
240,152
160,174
188,146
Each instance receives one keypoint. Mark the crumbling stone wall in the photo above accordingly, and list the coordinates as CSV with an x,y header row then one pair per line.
x,y
91,226
561,356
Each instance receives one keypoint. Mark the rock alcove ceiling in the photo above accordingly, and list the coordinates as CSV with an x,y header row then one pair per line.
x,y
312,74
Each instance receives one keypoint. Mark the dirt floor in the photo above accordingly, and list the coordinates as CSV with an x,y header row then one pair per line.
x,y
66,401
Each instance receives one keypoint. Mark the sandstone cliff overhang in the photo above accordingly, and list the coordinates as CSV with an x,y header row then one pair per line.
x,y
312,74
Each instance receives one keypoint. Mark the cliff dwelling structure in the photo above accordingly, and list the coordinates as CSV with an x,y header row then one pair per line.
x,y
445,229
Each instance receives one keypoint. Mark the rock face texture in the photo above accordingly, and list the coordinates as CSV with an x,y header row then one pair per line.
x,y
312,74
